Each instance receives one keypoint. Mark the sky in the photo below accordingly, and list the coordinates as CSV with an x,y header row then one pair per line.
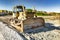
x,y
41,5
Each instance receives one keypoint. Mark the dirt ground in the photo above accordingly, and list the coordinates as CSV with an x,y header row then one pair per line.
x,y
48,19
50,32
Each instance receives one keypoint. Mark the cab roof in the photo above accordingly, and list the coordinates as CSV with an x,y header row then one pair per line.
x,y
19,6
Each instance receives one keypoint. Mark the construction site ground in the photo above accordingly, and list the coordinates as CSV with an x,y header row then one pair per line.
x,y
51,31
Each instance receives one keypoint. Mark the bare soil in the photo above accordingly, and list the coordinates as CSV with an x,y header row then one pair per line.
x,y
50,32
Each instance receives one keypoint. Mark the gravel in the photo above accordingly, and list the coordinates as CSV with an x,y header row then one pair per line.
x,y
50,32
1,36
48,35
8,34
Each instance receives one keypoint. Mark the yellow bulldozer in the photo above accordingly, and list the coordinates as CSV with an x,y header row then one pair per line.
x,y
25,21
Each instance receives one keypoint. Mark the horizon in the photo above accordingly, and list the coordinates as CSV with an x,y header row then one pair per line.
x,y
40,5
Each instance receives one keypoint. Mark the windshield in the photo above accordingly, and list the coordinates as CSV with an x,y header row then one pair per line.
x,y
17,10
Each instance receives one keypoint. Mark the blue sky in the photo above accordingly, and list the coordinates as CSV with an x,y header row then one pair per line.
x,y
42,5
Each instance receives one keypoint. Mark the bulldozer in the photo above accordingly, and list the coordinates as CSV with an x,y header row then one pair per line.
x,y
25,21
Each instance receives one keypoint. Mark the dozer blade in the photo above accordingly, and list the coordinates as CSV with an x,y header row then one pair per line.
x,y
29,24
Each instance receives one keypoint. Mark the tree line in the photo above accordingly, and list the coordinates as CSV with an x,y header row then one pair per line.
x,y
43,13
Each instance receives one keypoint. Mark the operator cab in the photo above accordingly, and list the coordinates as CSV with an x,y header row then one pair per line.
x,y
18,9
19,12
